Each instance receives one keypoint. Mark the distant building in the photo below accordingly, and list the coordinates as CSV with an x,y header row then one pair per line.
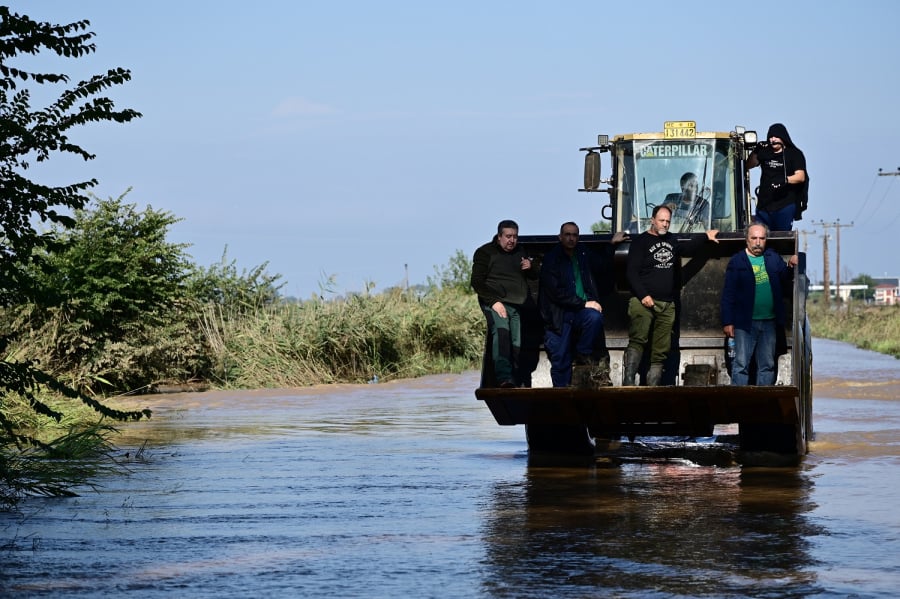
x,y
833,291
887,291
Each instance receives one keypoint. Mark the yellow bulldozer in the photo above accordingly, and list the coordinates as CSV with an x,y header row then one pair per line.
x,y
703,179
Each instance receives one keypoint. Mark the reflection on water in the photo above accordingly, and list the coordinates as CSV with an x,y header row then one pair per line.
x,y
692,531
410,488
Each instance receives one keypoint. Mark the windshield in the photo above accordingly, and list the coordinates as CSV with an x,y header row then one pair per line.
x,y
694,178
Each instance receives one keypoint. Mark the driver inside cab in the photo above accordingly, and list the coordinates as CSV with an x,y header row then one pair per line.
x,y
690,210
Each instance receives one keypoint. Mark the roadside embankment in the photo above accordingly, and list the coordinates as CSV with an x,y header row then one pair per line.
x,y
868,327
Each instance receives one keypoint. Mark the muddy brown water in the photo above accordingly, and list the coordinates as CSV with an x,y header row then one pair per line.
x,y
410,489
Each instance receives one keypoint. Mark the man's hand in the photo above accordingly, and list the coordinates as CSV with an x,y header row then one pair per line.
x,y
711,235
618,237
728,329
500,309
592,305
526,263
648,302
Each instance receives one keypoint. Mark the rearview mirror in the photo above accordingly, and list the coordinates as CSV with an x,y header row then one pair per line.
x,y
591,171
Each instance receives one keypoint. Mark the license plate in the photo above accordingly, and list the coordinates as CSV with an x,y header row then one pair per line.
x,y
680,129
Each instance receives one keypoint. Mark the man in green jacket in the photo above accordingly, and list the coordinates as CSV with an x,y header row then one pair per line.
x,y
499,271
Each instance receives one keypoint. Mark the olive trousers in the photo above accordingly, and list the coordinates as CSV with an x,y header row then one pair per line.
x,y
642,320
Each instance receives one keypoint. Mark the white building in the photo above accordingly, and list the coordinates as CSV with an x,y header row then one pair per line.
x,y
887,291
844,290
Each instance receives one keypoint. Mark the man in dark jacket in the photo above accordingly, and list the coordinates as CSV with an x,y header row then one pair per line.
x,y
783,182
499,271
753,305
570,307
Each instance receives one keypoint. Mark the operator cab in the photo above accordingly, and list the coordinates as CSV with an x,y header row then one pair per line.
x,y
699,176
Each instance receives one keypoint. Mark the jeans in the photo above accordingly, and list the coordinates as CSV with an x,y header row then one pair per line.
x,y
758,342
780,220
661,318
587,324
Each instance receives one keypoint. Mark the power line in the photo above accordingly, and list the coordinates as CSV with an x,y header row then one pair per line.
x,y
888,174
866,200
881,201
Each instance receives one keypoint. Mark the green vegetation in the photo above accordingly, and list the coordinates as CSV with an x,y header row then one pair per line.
x,y
114,308
863,294
27,136
391,335
121,310
869,327
109,308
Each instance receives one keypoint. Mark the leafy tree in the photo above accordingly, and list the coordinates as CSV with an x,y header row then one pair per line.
x,y
456,274
235,291
863,294
601,226
36,135
113,305
28,135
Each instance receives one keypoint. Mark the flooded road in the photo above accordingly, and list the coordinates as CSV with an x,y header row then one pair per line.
x,y
410,488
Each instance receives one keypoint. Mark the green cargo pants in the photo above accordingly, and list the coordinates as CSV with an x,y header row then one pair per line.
x,y
660,318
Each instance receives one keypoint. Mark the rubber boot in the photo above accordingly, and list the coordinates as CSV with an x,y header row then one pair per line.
x,y
654,375
631,362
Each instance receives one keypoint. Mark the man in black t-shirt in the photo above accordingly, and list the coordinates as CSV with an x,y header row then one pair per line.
x,y
783,182
653,272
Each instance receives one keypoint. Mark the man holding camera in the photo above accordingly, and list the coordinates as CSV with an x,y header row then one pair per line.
x,y
781,195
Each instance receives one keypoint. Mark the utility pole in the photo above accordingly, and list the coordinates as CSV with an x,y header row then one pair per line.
x,y
825,282
837,227
805,242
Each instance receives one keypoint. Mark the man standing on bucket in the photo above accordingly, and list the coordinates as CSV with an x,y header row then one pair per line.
x,y
753,305
499,271
654,275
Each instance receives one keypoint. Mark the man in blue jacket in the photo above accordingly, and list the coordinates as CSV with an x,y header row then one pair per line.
x,y
753,305
571,310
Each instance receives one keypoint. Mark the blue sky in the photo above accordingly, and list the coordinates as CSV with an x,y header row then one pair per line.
x,y
363,140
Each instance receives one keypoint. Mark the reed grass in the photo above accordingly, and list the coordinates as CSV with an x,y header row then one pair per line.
x,y
392,335
58,468
876,328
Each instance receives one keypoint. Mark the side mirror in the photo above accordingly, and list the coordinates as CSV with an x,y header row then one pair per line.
x,y
591,171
